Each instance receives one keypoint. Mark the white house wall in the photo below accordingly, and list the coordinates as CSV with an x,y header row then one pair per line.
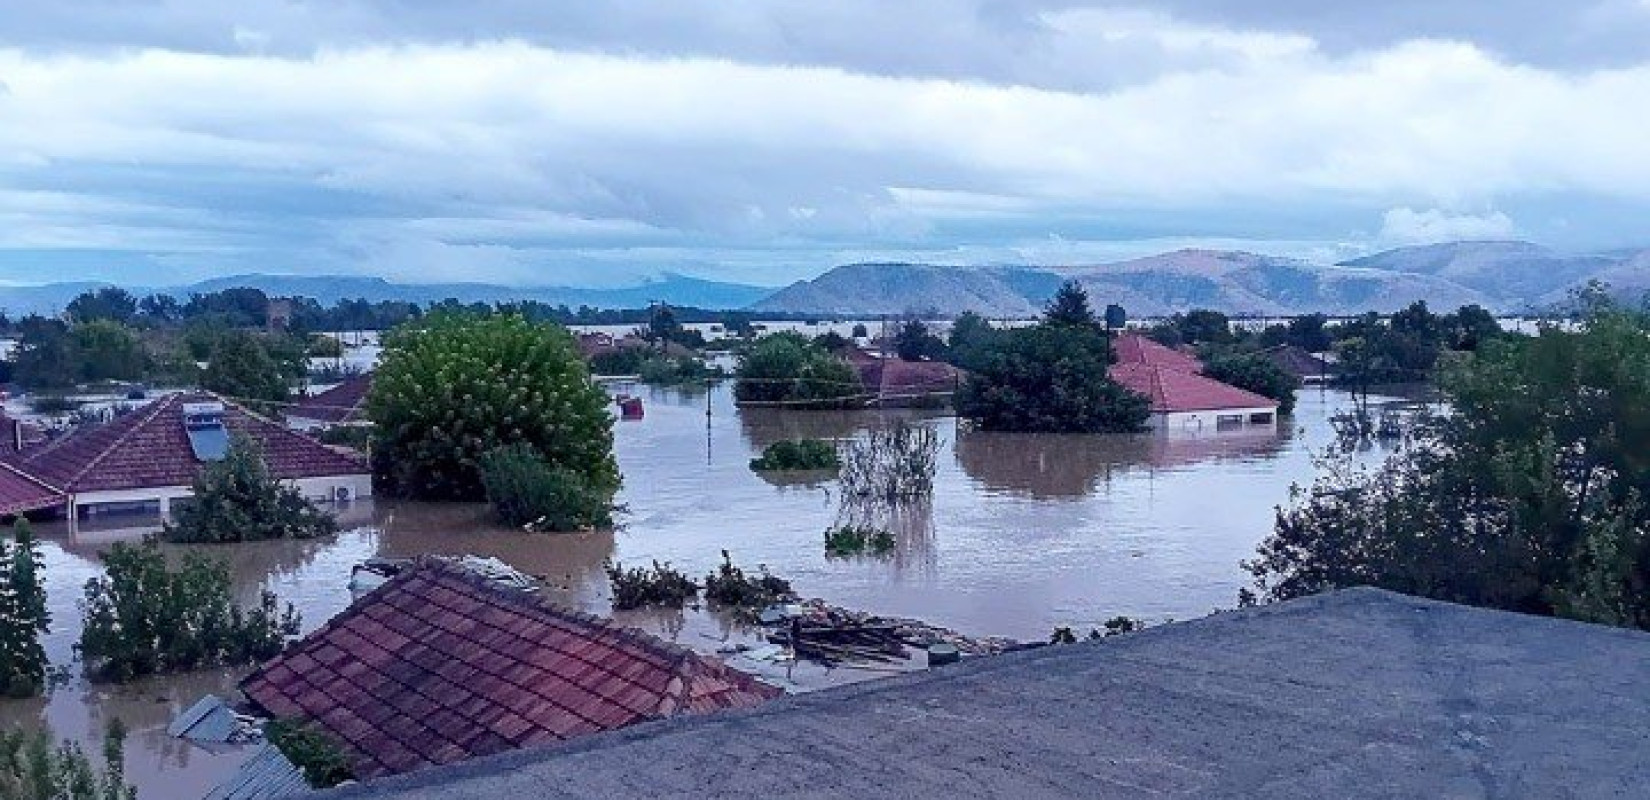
x,y
1209,421
316,490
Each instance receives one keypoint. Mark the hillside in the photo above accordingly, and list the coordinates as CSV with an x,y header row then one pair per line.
x,y
1503,276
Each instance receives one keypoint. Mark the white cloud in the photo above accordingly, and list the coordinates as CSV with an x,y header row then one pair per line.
x,y
535,150
1405,226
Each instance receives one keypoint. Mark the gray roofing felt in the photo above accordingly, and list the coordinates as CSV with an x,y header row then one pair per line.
x,y
1355,694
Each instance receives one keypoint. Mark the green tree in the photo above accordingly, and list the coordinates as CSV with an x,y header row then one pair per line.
x,y
1310,332
44,356
788,368
915,342
141,618
106,350
1070,306
454,386
1256,373
110,304
1049,378
241,367
1529,495
970,340
859,331
23,615
237,500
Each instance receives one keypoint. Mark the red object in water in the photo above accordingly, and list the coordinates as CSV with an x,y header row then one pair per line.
x,y
630,408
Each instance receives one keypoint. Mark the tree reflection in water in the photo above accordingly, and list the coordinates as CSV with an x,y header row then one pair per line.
x,y
1051,466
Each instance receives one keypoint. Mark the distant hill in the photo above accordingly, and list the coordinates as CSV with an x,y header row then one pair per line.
x,y
328,289
1503,276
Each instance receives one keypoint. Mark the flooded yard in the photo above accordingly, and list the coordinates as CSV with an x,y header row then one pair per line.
x,y
1024,533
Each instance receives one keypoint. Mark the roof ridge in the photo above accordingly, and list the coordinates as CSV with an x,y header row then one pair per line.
x,y
149,414
29,476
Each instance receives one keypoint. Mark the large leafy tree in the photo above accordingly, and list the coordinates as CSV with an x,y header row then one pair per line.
x,y
788,368
915,342
455,385
241,367
1529,495
1048,378
110,303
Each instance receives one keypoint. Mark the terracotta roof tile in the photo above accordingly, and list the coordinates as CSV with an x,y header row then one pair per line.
x,y
343,403
147,448
463,687
20,492
1133,348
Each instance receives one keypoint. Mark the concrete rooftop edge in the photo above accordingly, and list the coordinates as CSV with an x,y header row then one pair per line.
x,y
1150,691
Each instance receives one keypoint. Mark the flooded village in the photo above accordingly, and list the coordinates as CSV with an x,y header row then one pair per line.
x,y
427,633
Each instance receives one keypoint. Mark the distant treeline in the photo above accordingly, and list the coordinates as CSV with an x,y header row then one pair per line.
x,y
250,308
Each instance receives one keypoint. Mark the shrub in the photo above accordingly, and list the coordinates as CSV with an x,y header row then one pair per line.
x,y
454,386
788,368
801,454
730,587
141,618
850,540
640,587
31,768
661,370
23,615
618,361
322,759
891,464
524,490
237,500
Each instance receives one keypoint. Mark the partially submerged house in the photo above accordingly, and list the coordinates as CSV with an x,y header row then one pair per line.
x,y
439,665
17,435
148,457
1182,398
344,404
893,381
1297,361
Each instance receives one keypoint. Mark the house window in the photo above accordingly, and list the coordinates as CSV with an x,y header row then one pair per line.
x,y
1262,418
1225,421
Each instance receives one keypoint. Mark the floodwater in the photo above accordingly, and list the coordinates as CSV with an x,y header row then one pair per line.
x,y
1023,533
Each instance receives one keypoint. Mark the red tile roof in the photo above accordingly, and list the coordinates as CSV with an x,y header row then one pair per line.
x,y
20,492
1133,348
1171,390
148,448
439,665
342,403
893,378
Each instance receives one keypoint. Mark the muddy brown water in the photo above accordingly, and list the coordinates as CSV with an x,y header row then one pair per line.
x,y
1024,533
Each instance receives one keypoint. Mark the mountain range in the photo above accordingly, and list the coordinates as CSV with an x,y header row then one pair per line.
x,y
678,290
1507,277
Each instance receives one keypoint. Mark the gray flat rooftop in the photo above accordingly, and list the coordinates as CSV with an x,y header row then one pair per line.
x,y
1355,694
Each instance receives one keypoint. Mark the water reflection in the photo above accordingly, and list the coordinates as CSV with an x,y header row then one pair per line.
x,y
1071,466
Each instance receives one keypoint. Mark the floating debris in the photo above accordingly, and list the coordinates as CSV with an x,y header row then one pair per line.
x,y
374,572
817,631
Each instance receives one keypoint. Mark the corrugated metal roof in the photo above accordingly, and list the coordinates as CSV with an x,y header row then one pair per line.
x,y
267,775
210,719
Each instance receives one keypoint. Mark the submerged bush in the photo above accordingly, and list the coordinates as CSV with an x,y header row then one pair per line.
x,y
237,500
892,464
850,540
730,587
525,490
141,618
322,759
798,455
23,615
641,587
31,769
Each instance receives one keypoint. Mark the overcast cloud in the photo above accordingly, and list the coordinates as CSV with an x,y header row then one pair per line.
x,y
593,142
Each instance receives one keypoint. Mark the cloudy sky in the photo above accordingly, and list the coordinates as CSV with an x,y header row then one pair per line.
x,y
540,142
